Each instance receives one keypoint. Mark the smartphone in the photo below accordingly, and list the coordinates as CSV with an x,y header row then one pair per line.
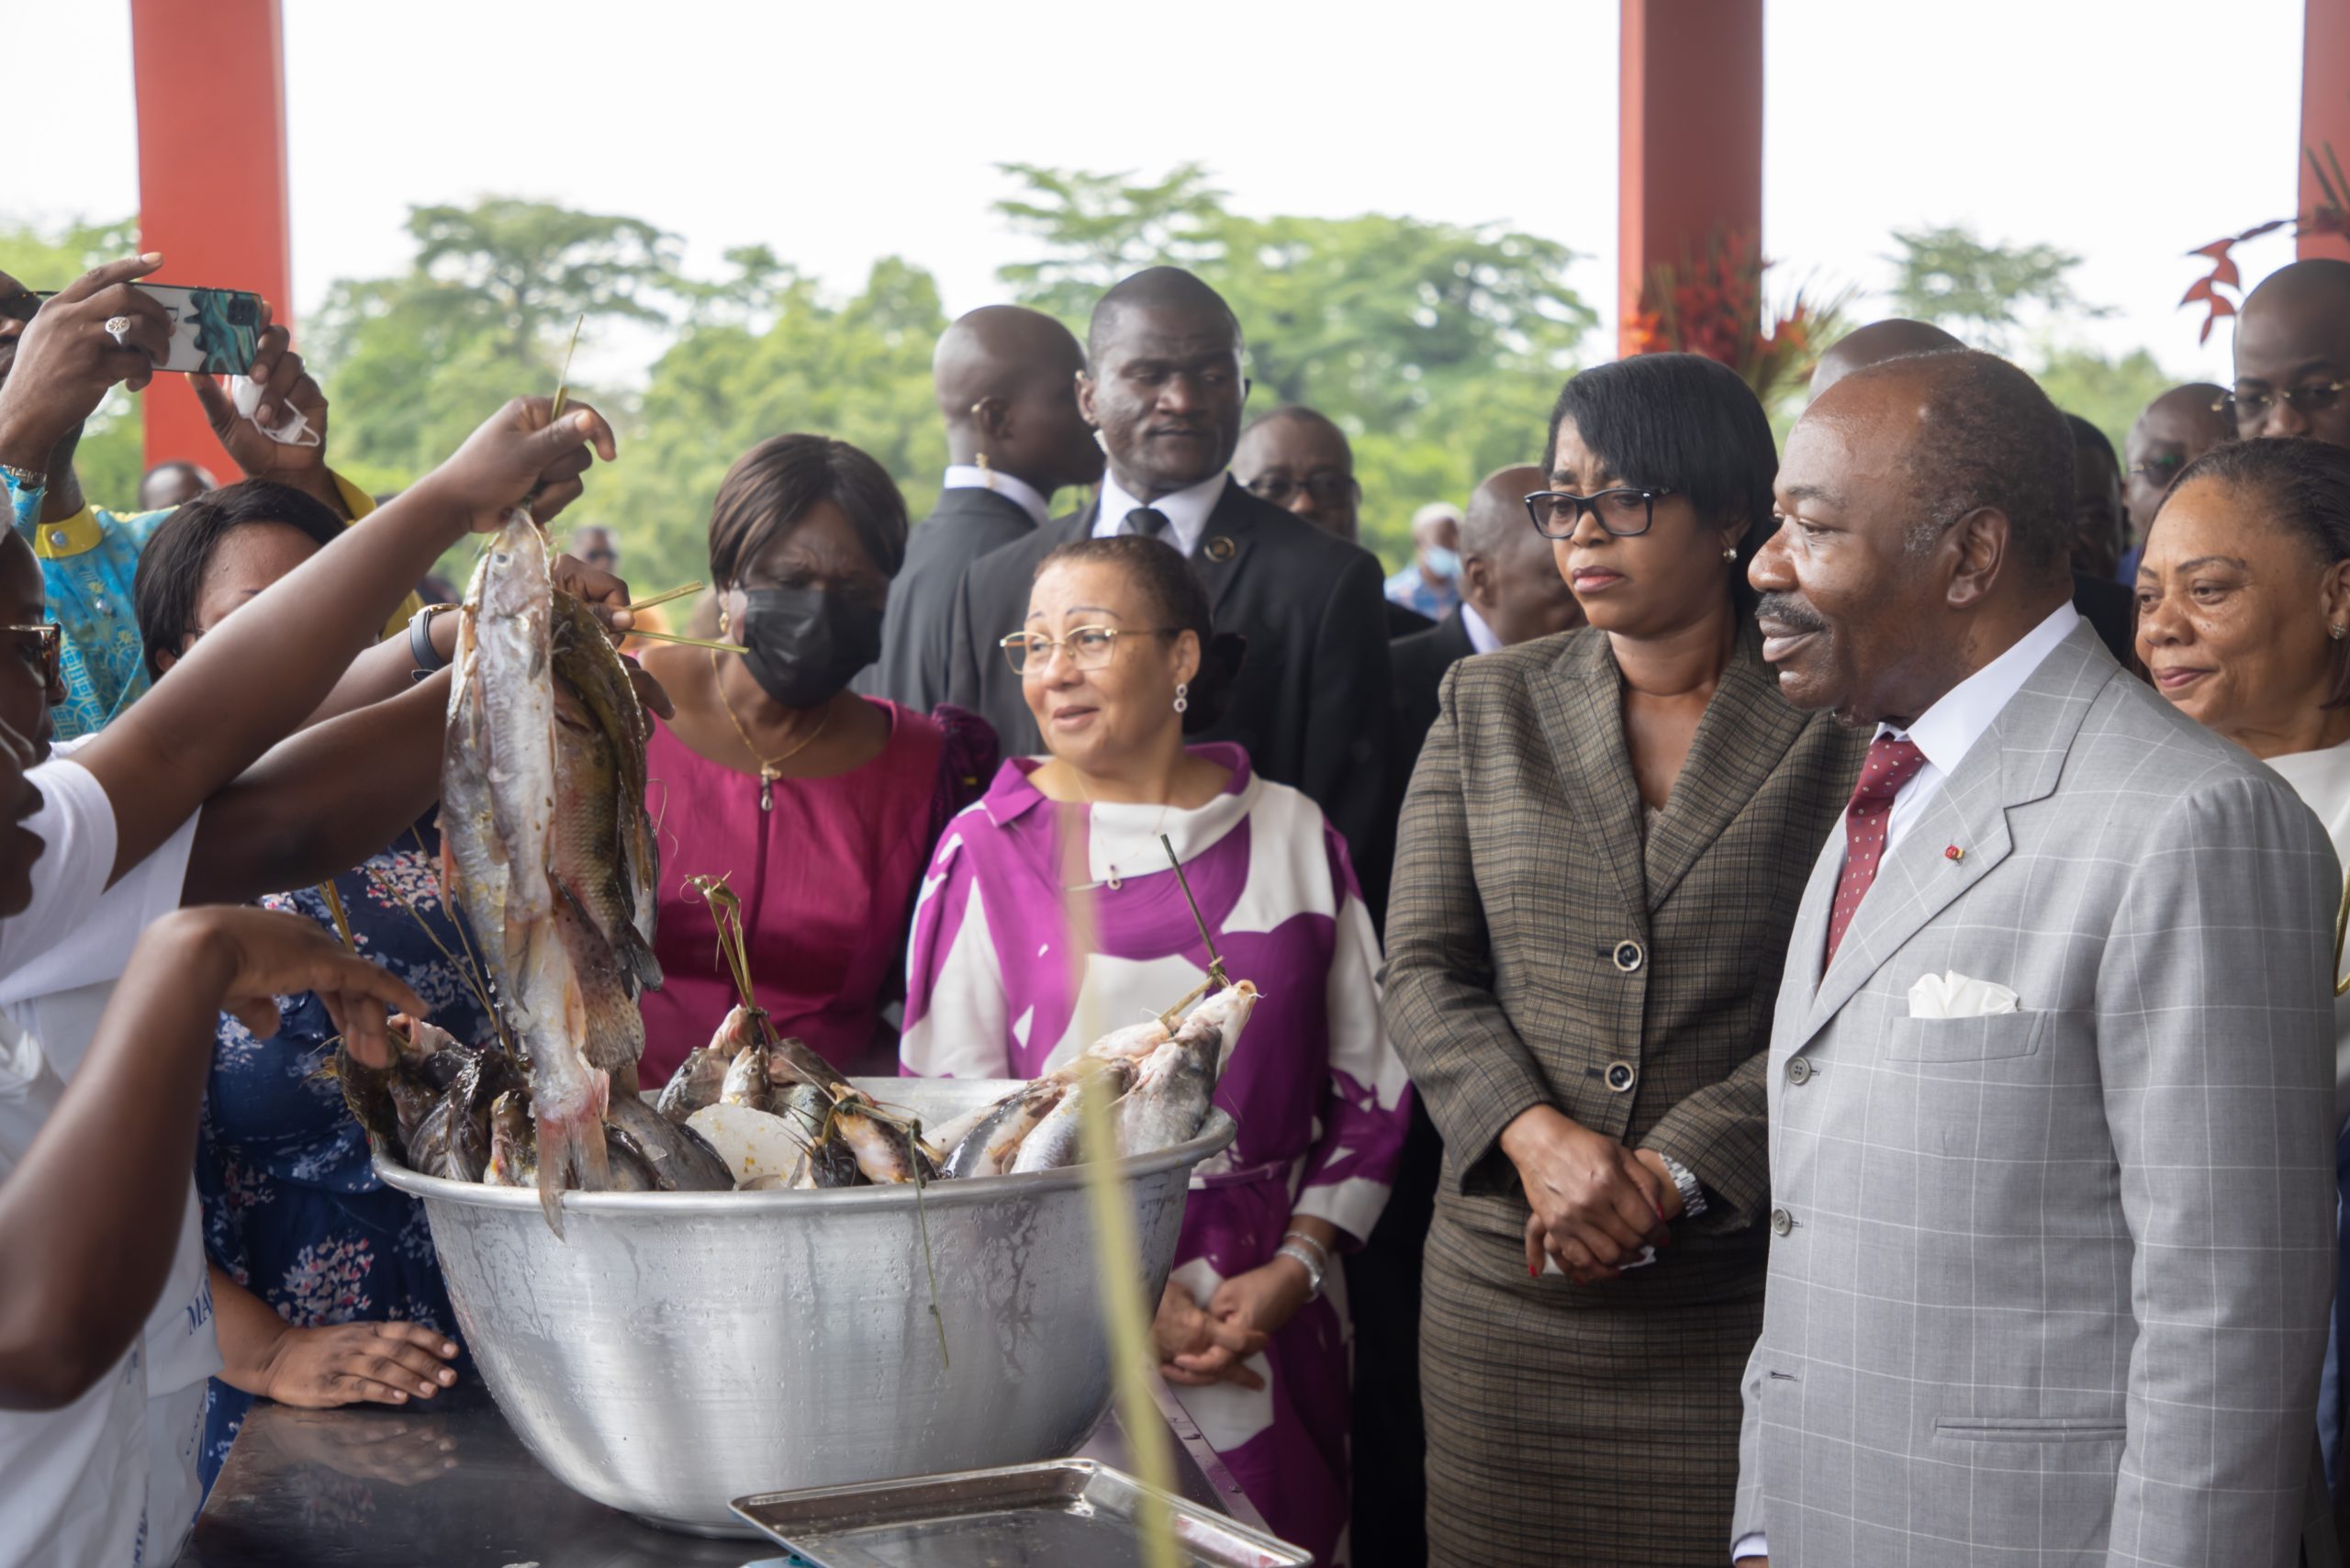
x,y
215,332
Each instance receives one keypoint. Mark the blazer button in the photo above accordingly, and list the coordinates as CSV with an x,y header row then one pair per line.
x,y
1800,1071
1620,1076
1629,956
1782,1222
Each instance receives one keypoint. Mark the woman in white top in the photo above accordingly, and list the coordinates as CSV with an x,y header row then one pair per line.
x,y
2243,622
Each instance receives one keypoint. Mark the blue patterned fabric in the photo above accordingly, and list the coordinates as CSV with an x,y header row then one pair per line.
x,y
86,564
291,1210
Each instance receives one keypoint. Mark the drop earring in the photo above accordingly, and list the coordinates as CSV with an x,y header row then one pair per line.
x,y
721,620
980,461
1182,695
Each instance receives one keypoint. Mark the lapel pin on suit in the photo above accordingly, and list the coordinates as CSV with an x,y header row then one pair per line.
x,y
1221,549
1953,853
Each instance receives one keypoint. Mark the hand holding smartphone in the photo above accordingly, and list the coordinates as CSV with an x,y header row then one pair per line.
x,y
215,332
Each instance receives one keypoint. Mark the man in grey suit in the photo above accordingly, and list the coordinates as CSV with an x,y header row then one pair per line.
x,y
2051,1139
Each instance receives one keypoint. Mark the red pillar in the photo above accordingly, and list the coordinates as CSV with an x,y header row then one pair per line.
x,y
2325,107
211,90
1690,133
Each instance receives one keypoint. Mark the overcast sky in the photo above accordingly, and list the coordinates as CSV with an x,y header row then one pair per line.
x,y
840,132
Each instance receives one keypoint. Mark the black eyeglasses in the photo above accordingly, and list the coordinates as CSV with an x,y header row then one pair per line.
x,y
1327,489
1624,511
2252,406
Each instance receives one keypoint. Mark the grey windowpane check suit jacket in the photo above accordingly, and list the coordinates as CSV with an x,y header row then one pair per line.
x,y
2050,1288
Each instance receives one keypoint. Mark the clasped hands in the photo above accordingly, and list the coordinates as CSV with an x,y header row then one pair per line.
x,y
1201,1345
1595,1202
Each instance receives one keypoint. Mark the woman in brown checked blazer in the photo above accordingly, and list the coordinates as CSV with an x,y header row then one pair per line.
x,y
1601,854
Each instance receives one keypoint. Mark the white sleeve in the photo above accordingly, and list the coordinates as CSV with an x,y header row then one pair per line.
x,y
87,940
954,991
75,826
1750,1546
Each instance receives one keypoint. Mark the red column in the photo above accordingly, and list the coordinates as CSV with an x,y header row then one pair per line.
x,y
211,88
1690,133
2325,107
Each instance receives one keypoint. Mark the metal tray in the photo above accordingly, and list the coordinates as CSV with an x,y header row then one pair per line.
x,y
1064,1513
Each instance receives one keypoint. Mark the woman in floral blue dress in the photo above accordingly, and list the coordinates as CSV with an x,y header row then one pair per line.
x,y
294,1222
325,1287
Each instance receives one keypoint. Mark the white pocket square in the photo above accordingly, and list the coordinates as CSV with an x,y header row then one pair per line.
x,y
1953,995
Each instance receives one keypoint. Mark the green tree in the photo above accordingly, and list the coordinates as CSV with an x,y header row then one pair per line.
x,y
2016,300
1979,290
1099,227
1439,348
769,353
111,456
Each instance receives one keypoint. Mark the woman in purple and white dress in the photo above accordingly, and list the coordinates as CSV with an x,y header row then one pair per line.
x,y
1117,659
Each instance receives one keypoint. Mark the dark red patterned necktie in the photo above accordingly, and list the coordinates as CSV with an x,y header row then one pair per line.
x,y
1891,763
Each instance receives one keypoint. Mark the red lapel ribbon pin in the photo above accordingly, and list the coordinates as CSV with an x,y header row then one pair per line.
x,y
1953,853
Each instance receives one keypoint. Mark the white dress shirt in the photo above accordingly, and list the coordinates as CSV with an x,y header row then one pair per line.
x,y
1020,492
1946,733
1186,511
1482,638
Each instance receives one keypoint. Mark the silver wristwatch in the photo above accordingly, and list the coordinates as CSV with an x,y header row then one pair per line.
x,y
1693,1196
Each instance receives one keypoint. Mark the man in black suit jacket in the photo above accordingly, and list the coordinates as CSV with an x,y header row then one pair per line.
x,y
1007,388
1511,592
1164,387
1300,460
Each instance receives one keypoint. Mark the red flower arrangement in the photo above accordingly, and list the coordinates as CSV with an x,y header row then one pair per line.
x,y
1713,306
2331,217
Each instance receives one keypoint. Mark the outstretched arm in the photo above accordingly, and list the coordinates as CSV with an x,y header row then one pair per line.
x,y
82,1274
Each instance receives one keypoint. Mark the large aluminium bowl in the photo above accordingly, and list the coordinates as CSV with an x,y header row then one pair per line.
x,y
675,1351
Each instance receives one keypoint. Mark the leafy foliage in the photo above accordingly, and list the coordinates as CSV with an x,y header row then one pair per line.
x,y
1438,348
1982,291
108,459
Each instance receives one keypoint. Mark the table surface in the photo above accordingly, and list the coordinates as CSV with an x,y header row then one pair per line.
x,y
451,1486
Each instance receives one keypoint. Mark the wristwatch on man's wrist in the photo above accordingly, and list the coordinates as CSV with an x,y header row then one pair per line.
x,y
1693,1196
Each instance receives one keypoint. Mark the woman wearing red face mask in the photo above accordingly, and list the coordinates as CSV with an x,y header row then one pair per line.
x,y
818,805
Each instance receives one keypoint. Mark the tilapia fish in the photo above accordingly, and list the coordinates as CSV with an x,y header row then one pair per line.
x,y
1053,1141
499,847
1177,1081
700,1079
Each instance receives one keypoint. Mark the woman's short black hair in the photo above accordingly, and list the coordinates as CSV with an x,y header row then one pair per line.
x,y
163,590
1685,423
2301,484
1181,603
772,487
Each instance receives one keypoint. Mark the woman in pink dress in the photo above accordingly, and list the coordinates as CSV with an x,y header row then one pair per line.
x,y
819,806
1117,653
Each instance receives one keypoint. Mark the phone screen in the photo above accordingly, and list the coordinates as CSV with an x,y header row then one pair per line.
x,y
215,332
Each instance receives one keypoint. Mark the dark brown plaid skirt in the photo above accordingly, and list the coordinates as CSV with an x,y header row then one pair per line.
x,y
1562,1434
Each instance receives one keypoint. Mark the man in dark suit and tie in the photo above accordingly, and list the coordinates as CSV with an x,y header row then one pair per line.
x,y
1511,592
1300,460
1164,387
1007,388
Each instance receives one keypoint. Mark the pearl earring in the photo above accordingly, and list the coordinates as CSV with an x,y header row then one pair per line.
x,y
1182,695
2338,633
1731,553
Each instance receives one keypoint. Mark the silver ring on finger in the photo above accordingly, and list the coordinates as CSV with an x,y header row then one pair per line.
x,y
118,329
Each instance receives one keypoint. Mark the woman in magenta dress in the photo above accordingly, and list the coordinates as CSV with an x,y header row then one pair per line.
x,y
1111,662
819,806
